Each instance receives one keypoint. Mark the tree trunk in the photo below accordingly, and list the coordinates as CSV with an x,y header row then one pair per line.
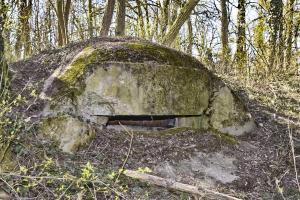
x,y
165,17
224,34
3,64
121,10
48,30
141,26
148,26
67,9
37,31
281,37
90,18
23,31
184,14
260,44
275,29
290,26
107,17
296,31
63,12
241,54
61,23
190,37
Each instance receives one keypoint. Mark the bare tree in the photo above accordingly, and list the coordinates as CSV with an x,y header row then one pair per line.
x,y
165,16
23,31
275,24
90,18
224,33
107,17
141,26
190,36
63,12
290,28
241,53
121,11
3,64
184,14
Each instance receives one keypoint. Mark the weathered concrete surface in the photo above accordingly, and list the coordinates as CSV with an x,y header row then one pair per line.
x,y
70,132
207,169
106,81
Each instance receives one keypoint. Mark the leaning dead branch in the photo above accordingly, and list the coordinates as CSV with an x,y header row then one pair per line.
x,y
171,184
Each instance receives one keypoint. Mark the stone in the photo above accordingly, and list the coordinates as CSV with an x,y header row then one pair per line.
x,y
207,169
70,132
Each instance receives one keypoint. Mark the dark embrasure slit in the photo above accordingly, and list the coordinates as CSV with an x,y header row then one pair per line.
x,y
163,121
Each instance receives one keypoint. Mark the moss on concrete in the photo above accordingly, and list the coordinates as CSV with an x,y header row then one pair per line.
x,y
163,55
229,139
135,52
77,67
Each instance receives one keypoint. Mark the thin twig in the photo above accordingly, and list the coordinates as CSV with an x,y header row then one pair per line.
x,y
128,153
63,194
293,156
12,189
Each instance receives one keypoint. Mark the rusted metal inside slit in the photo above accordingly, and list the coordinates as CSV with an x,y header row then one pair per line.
x,y
152,121
164,123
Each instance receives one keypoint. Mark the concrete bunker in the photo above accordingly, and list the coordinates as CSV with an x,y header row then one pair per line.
x,y
142,85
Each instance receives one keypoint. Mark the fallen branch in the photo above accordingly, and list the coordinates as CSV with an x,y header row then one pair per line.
x,y
171,184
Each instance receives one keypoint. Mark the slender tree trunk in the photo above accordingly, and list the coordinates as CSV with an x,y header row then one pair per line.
x,y
3,64
165,17
190,37
48,32
154,32
173,13
37,33
63,12
67,9
18,44
260,44
23,31
296,31
90,18
281,45
241,53
184,14
275,28
77,24
290,30
26,29
224,34
107,17
141,26
121,11
61,23
148,26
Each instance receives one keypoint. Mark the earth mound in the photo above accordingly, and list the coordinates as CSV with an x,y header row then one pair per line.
x,y
136,83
